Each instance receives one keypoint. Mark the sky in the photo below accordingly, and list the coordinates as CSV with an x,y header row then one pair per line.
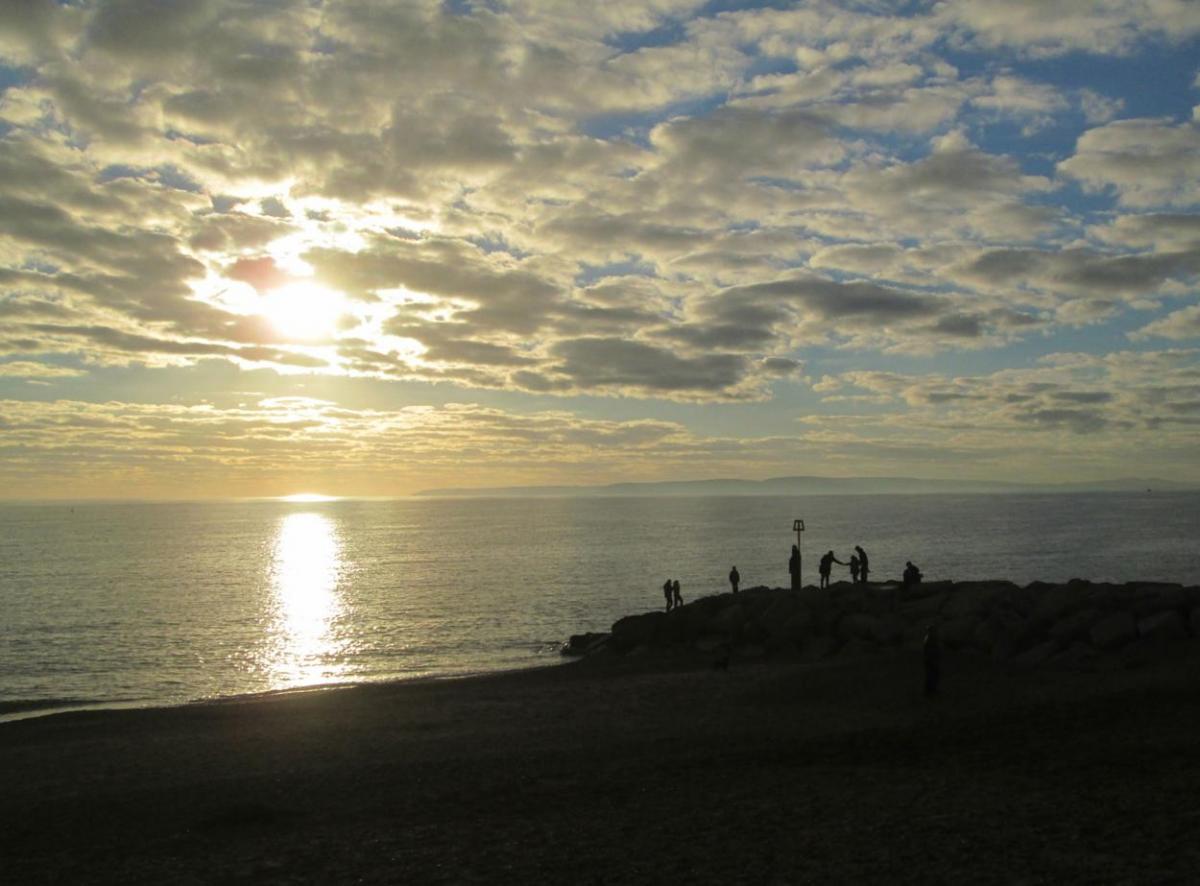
x,y
263,247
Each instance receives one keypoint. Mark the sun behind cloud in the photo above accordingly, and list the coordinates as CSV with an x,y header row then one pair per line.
x,y
304,311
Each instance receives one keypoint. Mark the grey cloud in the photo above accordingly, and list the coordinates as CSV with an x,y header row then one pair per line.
x,y
618,363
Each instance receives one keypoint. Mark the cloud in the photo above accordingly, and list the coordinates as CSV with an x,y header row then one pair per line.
x,y
1178,325
1145,162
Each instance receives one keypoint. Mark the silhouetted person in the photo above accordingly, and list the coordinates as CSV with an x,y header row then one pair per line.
x,y
794,568
932,651
912,575
676,597
667,588
826,567
734,578
855,566
864,565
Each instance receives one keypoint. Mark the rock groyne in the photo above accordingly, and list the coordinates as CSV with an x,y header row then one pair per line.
x,y
1080,623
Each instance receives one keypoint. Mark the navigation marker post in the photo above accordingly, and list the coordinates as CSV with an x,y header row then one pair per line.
x,y
798,528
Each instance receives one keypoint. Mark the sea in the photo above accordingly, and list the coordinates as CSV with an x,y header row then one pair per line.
x,y
143,604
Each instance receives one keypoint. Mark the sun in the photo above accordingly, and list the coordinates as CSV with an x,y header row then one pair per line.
x,y
304,311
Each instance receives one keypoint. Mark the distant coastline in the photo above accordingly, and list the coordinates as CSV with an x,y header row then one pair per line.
x,y
806,485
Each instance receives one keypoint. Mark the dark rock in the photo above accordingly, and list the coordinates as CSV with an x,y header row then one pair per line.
x,y
1071,628
728,621
1162,626
1113,631
1148,600
959,632
817,648
583,644
1053,602
1038,655
636,630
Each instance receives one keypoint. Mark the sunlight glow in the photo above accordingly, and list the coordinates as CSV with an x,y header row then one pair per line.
x,y
307,497
304,311
304,577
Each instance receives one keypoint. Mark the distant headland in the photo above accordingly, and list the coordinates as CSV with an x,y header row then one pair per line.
x,y
808,485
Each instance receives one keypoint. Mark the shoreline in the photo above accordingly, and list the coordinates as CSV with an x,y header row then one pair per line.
x,y
56,707
626,769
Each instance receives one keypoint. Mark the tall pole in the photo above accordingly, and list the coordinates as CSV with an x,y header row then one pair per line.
x,y
798,526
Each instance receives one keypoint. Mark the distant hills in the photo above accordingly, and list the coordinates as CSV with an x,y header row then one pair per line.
x,y
805,486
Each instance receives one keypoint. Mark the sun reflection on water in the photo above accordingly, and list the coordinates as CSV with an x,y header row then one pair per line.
x,y
307,604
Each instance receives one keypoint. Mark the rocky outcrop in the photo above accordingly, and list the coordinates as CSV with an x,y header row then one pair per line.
x,y
1078,624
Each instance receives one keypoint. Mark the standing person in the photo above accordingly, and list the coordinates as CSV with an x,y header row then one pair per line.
x,y
826,567
864,566
794,568
855,566
677,598
932,651
734,578
667,593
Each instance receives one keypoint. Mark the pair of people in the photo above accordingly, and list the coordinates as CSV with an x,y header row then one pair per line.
x,y
671,593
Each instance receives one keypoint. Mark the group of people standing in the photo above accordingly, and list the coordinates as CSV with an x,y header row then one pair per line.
x,y
860,566
859,563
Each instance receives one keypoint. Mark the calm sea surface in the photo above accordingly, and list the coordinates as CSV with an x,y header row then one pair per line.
x,y
164,603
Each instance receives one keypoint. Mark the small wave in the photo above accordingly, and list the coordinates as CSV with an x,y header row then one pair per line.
x,y
21,705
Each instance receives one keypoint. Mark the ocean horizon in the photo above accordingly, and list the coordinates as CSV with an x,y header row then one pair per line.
x,y
154,603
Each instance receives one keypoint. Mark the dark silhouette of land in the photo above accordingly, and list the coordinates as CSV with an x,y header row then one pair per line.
x,y
1037,763
827,773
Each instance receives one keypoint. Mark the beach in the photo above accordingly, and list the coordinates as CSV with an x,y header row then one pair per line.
x,y
629,769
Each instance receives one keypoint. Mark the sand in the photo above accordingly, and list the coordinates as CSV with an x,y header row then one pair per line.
x,y
648,769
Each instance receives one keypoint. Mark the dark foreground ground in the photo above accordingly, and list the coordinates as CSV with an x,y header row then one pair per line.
x,y
628,772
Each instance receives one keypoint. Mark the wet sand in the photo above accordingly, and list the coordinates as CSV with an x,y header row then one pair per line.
x,y
628,771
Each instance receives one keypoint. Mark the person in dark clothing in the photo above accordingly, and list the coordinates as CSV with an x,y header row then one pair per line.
x,y
794,568
932,650
855,566
667,588
677,598
864,566
912,575
826,567
734,578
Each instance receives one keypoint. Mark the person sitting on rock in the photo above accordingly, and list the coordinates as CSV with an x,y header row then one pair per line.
x,y
912,575
826,567
667,588
734,578
677,598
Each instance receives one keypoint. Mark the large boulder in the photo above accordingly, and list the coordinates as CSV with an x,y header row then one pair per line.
x,y
1052,602
637,630
1074,627
1151,599
1038,655
975,597
1113,631
858,626
959,632
1164,627
728,621
584,644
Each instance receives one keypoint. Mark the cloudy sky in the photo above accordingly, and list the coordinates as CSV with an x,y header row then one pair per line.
x,y
258,247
